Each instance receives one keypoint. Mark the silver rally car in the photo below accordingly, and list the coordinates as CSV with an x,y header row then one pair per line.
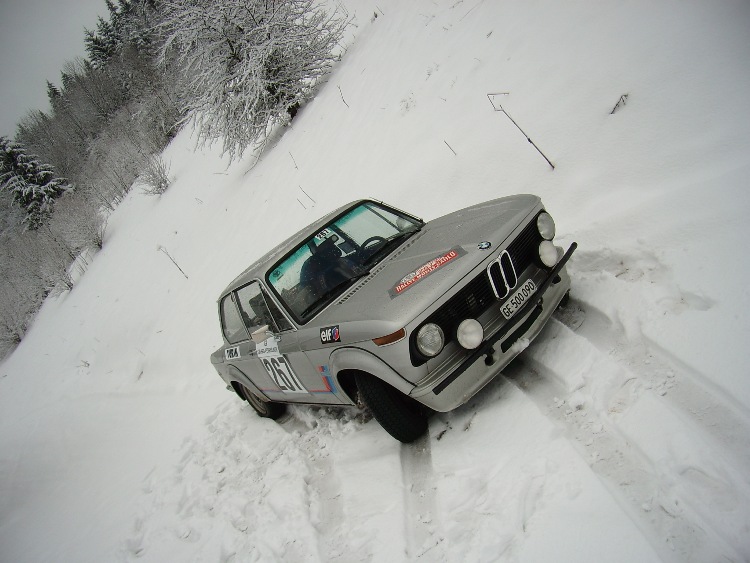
x,y
373,305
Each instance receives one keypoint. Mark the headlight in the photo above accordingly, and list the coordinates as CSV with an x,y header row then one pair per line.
x,y
430,340
547,253
546,226
470,334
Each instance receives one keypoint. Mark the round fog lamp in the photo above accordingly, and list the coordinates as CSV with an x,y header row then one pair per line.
x,y
470,334
546,226
547,253
430,340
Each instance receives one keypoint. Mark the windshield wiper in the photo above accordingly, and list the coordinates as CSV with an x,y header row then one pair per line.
x,y
389,245
323,299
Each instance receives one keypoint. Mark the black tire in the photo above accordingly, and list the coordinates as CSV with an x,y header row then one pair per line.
x,y
398,414
265,409
565,300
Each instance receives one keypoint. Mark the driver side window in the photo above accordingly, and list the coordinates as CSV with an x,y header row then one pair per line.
x,y
255,310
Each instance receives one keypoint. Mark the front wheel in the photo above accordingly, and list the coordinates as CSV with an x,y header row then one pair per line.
x,y
265,409
398,414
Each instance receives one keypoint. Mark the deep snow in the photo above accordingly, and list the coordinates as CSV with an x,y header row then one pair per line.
x,y
621,434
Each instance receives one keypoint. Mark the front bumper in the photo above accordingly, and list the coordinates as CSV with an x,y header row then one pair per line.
x,y
496,351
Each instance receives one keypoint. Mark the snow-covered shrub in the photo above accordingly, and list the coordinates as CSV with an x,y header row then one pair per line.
x,y
155,176
80,220
116,158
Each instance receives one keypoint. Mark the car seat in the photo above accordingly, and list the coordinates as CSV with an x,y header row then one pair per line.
x,y
324,270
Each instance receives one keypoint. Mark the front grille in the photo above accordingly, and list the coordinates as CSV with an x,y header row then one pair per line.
x,y
477,296
524,249
473,300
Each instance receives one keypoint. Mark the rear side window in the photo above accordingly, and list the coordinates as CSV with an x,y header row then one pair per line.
x,y
231,322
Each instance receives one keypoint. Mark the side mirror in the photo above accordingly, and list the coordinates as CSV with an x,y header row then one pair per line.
x,y
262,334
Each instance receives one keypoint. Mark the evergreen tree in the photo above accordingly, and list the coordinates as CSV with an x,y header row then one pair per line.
x,y
129,27
55,96
102,44
32,184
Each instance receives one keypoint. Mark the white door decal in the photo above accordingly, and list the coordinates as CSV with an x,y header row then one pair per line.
x,y
278,368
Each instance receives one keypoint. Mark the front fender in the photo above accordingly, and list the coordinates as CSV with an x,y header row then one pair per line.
x,y
362,360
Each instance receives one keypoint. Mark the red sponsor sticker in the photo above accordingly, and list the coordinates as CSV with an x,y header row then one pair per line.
x,y
425,270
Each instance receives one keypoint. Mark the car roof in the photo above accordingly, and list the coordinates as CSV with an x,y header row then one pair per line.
x,y
258,268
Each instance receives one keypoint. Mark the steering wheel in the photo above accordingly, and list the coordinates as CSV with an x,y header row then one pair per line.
x,y
371,240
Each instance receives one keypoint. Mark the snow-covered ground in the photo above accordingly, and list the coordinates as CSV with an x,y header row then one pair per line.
x,y
621,434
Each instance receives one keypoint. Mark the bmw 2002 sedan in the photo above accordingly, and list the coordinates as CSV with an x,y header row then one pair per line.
x,y
373,305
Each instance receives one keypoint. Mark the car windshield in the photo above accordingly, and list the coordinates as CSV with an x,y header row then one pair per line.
x,y
328,262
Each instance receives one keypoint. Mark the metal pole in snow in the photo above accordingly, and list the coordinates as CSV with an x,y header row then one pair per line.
x,y
499,107
164,250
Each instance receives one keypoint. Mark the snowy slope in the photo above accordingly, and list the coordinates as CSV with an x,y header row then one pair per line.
x,y
621,434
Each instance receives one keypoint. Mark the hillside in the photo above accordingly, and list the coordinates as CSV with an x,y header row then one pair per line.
x,y
621,434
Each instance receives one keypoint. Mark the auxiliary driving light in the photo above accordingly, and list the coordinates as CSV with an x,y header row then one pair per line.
x,y
470,334
547,253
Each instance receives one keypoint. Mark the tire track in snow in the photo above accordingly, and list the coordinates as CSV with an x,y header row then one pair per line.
x,y
697,442
659,371
326,507
324,492
421,518
650,287
588,396
624,473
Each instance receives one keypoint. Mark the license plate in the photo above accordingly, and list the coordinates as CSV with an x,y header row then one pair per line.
x,y
518,299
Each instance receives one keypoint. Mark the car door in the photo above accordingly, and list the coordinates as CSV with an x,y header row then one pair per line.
x,y
287,374
239,350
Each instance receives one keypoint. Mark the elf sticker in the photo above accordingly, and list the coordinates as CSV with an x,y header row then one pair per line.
x,y
330,335
425,270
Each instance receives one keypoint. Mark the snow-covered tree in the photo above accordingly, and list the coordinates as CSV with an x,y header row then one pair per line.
x,y
11,216
90,93
129,25
54,95
33,184
80,109
55,139
18,302
102,44
245,63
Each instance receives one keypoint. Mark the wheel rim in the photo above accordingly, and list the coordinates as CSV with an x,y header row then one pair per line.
x,y
255,402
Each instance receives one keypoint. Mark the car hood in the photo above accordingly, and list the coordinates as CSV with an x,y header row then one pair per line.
x,y
429,263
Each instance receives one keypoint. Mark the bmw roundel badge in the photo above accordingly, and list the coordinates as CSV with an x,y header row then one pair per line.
x,y
484,245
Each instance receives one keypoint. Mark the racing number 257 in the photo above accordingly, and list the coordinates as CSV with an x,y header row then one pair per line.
x,y
281,373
